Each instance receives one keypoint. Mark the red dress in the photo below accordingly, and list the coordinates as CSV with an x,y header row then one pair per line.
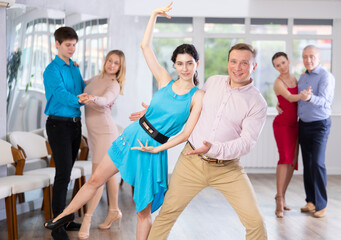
x,y
285,128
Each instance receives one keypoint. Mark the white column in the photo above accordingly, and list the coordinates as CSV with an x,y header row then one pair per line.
x,y
3,88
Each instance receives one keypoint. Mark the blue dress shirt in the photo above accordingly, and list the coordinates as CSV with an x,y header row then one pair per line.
x,y
322,83
62,83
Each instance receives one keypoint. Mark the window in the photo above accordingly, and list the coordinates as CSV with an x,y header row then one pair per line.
x,y
36,51
268,26
225,25
92,46
164,45
313,26
216,53
213,37
265,73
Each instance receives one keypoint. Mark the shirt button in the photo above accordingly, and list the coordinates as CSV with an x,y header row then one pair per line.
x,y
124,143
121,138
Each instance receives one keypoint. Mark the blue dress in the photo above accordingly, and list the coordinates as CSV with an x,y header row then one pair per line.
x,y
148,172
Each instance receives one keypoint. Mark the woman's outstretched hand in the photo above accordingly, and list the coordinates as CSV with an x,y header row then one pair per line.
x,y
145,148
163,11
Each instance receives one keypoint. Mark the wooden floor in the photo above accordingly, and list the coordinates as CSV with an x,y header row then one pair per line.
x,y
209,216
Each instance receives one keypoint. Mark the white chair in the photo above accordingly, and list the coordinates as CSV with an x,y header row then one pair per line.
x,y
36,147
19,184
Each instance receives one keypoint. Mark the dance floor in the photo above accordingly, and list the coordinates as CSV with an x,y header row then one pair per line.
x,y
210,217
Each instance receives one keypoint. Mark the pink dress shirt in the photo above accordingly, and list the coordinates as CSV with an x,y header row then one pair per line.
x,y
231,118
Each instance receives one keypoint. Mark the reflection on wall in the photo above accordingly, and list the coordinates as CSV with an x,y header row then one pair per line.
x,y
30,33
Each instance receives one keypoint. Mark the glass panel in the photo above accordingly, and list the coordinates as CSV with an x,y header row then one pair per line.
x,y
224,28
39,61
94,24
86,59
80,30
78,56
93,60
52,25
312,30
88,27
265,73
26,56
313,26
173,27
216,53
225,25
325,47
269,26
54,50
163,48
17,43
29,27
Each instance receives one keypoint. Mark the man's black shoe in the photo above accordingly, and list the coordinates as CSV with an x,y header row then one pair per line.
x,y
59,234
72,226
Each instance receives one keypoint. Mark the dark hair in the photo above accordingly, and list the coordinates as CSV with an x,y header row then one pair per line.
x,y
243,46
277,55
65,33
189,49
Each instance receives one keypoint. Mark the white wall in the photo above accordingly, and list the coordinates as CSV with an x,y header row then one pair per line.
x,y
241,8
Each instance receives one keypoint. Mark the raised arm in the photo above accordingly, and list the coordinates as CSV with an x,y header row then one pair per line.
x,y
187,130
280,89
160,74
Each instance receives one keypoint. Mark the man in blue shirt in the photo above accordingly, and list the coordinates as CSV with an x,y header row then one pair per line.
x,y
314,125
63,83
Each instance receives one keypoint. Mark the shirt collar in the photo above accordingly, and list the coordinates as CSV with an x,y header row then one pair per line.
x,y
242,88
316,70
61,62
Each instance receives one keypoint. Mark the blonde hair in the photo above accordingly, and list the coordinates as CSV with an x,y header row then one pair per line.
x,y
121,74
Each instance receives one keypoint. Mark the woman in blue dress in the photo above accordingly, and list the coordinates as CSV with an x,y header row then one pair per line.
x,y
139,154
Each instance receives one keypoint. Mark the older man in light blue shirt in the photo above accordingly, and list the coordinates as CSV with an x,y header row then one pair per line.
x,y
314,126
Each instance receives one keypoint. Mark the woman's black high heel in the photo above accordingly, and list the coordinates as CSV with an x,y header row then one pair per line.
x,y
61,222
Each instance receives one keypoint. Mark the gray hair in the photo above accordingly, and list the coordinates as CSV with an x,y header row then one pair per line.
x,y
312,47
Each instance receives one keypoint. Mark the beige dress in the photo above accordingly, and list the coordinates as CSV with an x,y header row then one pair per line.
x,y
102,130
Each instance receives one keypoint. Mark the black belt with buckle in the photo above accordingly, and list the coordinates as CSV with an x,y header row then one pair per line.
x,y
208,159
152,131
66,119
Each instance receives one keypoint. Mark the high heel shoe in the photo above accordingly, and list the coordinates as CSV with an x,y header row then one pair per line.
x,y
279,206
113,215
84,231
60,222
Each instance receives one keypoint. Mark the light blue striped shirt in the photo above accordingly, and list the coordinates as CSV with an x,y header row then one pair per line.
x,y
322,83
62,85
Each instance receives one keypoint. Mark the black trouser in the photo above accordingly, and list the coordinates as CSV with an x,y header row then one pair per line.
x,y
313,137
64,138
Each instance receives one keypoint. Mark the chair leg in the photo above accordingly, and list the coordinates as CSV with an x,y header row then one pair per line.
x,y
85,207
14,214
21,197
9,215
46,201
50,190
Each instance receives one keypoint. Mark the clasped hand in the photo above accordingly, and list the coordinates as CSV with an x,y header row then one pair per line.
x,y
306,94
145,148
86,99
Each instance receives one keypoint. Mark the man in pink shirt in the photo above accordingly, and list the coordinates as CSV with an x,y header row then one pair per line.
x,y
232,117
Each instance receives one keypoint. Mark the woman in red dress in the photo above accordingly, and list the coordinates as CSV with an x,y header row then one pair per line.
x,y
285,128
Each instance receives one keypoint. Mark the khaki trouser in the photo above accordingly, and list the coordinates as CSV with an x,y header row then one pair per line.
x,y
190,176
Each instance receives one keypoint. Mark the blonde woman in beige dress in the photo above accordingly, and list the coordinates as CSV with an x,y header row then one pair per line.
x,y
102,131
